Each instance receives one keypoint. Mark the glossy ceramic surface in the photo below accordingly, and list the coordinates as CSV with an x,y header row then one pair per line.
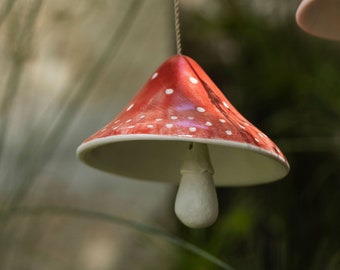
x,y
180,102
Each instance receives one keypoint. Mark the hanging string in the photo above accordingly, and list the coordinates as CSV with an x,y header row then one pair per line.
x,y
177,27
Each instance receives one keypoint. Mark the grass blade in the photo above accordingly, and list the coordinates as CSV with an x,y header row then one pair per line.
x,y
87,214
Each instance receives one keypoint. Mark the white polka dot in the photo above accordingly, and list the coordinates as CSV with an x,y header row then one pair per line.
x,y
192,129
154,75
193,80
225,104
246,124
130,107
128,121
200,109
158,119
261,135
142,116
169,125
149,126
191,117
243,127
169,91
131,126
114,128
174,117
117,121
228,132
222,120
257,140
209,124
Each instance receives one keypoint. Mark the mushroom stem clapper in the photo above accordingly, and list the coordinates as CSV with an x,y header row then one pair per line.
x,y
196,202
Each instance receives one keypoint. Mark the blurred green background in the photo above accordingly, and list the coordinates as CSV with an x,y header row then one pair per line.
x,y
68,67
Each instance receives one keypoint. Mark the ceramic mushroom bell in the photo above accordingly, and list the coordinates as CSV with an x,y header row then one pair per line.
x,y
320,18
180,128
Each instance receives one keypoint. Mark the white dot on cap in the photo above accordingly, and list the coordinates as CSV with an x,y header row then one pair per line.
x,y
228,132
158,119
169,125
209,124
225,104
191,117
169,91
174,117
154,75
243,127
131,126
222,120
193,80
128,121
257,140
200,109
192,129
130,107
149,126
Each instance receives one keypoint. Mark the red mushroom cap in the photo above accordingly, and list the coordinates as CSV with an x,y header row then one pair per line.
x,y
177,105
320,18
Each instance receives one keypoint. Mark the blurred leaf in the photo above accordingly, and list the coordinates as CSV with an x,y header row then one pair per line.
x,y
79,213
